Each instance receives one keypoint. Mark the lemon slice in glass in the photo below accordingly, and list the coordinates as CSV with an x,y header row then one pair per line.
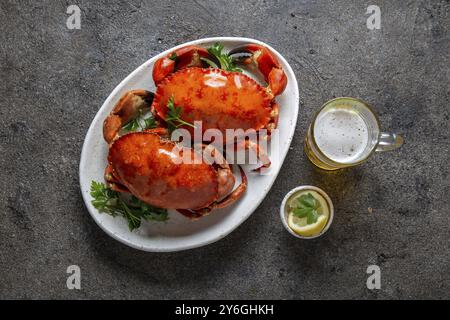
x,y
299,225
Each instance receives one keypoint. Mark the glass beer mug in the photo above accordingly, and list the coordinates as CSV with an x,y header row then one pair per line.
x,y
346,132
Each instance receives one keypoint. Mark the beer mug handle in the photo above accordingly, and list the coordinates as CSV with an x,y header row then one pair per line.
x,y
389,141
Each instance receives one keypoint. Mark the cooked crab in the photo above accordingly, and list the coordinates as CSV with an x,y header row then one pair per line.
x,y
149,165
219,99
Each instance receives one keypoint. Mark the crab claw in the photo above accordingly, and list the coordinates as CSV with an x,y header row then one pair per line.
x,y
188,56
124,111
113,181
267,63
228,200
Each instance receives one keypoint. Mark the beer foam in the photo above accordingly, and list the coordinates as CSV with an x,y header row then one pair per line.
x,y
341,134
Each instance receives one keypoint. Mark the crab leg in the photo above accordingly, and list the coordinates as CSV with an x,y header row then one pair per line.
x,y
267,63
125,110
260,152
235,195
274,116
188,56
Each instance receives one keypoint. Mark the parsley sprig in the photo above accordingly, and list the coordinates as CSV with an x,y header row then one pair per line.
x,y
173,117
109,201
140,123
307,206
226,62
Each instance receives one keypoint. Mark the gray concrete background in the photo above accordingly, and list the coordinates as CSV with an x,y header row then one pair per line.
x,y
53,81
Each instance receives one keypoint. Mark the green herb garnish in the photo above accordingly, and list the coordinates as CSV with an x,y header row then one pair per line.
x,y
140,123
173,57
307,206
110,202
226,62
173,118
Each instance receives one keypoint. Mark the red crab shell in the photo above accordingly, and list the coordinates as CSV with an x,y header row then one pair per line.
x,y
220,99
143,162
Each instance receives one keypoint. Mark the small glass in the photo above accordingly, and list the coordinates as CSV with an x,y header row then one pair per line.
x,y
284,210
346,132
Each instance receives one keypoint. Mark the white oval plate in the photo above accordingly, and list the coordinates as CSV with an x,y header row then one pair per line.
x,y
180,233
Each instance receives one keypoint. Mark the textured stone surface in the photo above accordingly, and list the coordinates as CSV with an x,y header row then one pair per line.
x,y
53,81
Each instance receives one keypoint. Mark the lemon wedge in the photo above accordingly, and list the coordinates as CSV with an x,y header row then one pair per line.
x,y
299,225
